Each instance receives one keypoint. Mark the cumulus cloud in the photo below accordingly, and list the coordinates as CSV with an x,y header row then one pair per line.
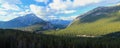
x,y
62,5
10,4
7,6
38,10
9,9
3,13
5,17
59,7
51,11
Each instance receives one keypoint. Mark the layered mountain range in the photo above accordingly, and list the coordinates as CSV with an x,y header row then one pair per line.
x,y
97,22
30,22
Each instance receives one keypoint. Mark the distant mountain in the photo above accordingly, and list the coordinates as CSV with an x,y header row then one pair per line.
x,y
47,25
31,22
97,22
22,21
58,23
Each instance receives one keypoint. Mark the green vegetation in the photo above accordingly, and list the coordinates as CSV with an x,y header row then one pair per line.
x,y
92,26
100,29
32,28
20,39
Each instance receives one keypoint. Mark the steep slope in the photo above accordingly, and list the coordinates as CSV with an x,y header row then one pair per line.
x,y
97,22
23,21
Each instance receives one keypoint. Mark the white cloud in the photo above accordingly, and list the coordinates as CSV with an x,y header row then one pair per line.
x,y
68,7
7,18
38,10
77,3
59,4
10,4
65,12
45,1
11,1
7,6
52,17
68,18
22,13
63,5
3,13
9,10
68,11
45,12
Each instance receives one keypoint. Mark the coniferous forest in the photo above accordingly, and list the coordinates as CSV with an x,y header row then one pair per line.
x,y
21,39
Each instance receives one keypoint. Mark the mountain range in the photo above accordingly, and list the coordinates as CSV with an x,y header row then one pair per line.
x,y
58,23
30,22
97,22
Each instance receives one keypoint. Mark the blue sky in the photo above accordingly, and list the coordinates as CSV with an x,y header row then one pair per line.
x,y
49,9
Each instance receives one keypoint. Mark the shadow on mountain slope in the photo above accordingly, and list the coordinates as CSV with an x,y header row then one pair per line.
x,y
92,18
113,35
116,20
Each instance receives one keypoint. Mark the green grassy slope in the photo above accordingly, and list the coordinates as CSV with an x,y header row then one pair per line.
x,y
32,28
92,25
